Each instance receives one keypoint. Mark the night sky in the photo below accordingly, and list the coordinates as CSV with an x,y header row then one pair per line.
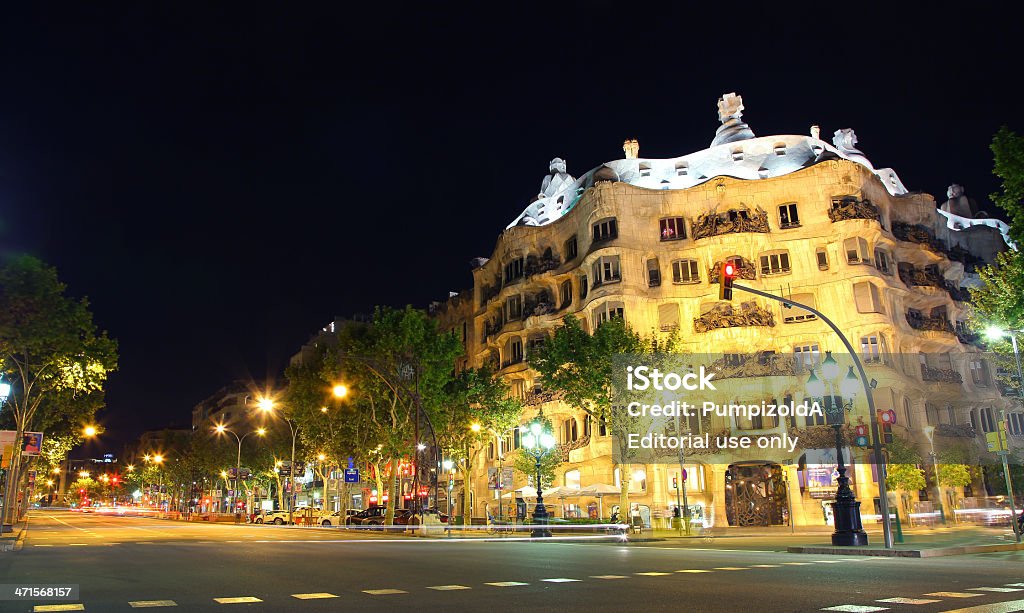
x,y
222,182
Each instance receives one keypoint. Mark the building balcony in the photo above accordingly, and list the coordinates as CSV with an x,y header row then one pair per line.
x,y
730,222
955,431
536,265
917,277
579,443
537,397
761,364
930,324
744,270
916,233
941,375
725,316
853,209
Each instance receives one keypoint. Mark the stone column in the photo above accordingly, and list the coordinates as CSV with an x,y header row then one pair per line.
x,y
717,489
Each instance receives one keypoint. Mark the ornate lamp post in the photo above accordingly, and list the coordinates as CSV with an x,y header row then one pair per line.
x,y
221,429
538,441
846,508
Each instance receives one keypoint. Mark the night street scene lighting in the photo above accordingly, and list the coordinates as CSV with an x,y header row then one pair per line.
x,y
568,307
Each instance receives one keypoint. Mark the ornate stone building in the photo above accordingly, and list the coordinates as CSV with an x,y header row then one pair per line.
x,y
644,239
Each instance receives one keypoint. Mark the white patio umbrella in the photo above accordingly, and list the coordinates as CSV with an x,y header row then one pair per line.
x,y
600,490
562,492
526,492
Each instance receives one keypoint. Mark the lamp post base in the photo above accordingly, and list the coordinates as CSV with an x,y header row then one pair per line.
x,y
540,518
849,532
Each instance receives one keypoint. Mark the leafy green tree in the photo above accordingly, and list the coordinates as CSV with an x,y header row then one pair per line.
x,y
903,471
52,353
581,367
1008,152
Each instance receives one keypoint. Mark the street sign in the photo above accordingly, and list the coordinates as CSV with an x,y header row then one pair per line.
x,y
684,474
496,481
351,475
996,441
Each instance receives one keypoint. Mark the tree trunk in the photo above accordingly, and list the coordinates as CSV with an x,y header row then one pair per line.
x,y
624,512
393,494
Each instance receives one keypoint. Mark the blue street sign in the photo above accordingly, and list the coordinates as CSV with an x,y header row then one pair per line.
x,y
351,475
350,463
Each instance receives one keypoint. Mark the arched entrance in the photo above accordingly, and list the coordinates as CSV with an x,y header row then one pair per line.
x,y
755,495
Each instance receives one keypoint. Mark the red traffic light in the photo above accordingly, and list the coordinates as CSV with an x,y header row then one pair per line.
x,y
725,283
861,430
887,418
730,270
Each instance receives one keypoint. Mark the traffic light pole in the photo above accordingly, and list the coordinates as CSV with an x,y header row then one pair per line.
x,y
879,457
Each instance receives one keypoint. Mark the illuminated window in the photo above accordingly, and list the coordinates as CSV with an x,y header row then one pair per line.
x,y
672,228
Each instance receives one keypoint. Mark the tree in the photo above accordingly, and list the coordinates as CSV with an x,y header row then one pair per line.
x,y
581,367
477,408
52,353
903,471
1008,152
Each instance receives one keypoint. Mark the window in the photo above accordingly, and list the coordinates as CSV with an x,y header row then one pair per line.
x,y
867,297
869,349
1016,424
535,343
569,431
775,263
602,426
856,251
807,356
571,249
907,414
514,308
792,315
605,230
672,228
606,270
517,389
788,217
979,373
685,271
583,286
565,292
988,422
758,422
513,351
668,317
514,270
572,479
608,310
653,273
883,262
822,257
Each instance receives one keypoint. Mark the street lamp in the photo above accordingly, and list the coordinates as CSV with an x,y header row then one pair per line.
x,y
846,508
538,441
5,391
89,431
996,333
221,429
339,391
267,406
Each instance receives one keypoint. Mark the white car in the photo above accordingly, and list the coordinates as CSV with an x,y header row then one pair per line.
x,y
273,517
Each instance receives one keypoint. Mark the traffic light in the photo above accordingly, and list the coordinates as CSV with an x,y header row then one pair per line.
x,y
886,418
675,483
860,436
725,283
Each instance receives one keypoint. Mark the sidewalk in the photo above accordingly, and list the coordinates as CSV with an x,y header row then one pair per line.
x,y
917,542
13,541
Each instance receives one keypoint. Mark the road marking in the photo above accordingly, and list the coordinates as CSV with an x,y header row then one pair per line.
x,y
384,592
78,544
40,608
830,561
448,588
732,568
653,574
237,600
1015,585
764,566
1000,607
952,595
856,608
148,604
506,583
314,596
695,570
797,563
560,580
996,589
42,545
908,600
608,577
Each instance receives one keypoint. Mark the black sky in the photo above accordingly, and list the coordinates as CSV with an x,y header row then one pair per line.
x,y
221,182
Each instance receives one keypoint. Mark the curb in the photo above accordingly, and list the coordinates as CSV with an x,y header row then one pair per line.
x,y
17,543
908,553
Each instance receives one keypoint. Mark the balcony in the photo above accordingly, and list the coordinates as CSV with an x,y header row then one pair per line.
x,y
955,431
540,304
941,375
930,324
761,364
538,265
730,222
916,233
579,443
488,293
853,209
725,316
540,396
916,277
744,270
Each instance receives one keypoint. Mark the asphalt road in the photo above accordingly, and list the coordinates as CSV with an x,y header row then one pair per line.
x,y
118,561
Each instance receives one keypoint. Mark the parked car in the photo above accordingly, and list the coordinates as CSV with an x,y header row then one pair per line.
x,y
272,517
375,515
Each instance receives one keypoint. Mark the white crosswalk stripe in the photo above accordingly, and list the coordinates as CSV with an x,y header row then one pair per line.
x,y
560,580
506,583
653,574
996,589
856,608
609,577
237,599
908,600
149,604
952,594
448,588
45,608
999,607
695,570
314,596
384,592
